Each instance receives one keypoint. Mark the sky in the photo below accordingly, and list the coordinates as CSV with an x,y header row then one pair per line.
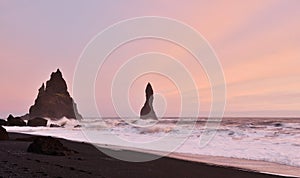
x,y
257,43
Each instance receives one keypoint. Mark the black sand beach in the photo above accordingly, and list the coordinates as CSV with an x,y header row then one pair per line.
x,y
90,162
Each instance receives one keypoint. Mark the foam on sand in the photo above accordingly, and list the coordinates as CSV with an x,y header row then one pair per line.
x,y
272,144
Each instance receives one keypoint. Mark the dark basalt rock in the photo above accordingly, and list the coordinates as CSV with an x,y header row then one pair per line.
x,y
3,122
54,100
147,111
3,134
15,121
36,122
49,146
54,125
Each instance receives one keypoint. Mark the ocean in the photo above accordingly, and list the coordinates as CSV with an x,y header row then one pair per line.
x,y
265,139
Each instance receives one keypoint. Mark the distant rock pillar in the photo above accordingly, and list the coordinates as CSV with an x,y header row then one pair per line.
x,y
147,111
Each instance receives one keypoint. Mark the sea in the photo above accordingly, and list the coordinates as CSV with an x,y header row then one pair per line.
x,y
274,140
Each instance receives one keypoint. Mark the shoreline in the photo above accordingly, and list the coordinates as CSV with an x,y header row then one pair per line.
x,y
237,163
240,163
90,162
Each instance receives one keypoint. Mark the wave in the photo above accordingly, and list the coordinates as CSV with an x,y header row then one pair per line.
x,y
274,140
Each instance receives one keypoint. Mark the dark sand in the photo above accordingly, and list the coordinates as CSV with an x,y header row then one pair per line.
x,y
15,161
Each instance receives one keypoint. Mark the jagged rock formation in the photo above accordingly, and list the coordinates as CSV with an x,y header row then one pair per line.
x,y
3,134
147,111
54,100
15,121
36,122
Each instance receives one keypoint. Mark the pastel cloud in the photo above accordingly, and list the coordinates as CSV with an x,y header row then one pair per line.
x,y
257,42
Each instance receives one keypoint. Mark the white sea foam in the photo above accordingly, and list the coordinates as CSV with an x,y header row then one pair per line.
x,y
274,140
65,122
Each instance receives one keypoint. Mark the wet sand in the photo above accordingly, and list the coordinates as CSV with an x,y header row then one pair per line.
x,y
90,162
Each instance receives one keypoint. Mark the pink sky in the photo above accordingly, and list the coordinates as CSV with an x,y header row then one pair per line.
x,y
257,42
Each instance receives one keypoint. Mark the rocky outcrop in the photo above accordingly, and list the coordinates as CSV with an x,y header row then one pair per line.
x,y
49,146
53,100
147,111
36,122
54,125
3,134
15,121
3,122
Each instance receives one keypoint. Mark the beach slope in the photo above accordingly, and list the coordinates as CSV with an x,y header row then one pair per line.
x,y
90,162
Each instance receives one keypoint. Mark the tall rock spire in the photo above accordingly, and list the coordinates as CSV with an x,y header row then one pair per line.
x,y
147,111
54,100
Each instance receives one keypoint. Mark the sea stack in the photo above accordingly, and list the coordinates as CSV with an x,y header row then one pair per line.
x,y
54,100
147,111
